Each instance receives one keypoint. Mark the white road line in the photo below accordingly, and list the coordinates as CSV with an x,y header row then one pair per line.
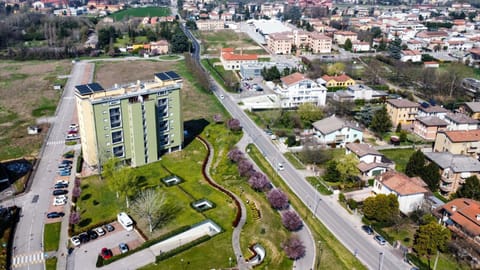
x,y
55,142
27,259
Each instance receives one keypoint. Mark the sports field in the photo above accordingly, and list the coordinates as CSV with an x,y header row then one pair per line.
x,y
141,12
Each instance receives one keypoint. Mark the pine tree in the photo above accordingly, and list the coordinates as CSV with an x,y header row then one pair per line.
x,y
415,164
381,122
395,47
431,175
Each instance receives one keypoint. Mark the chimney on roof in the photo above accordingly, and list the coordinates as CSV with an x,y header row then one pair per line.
x,y
454,208
478,216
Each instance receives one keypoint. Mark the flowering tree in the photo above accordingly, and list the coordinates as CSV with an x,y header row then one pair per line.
x,y
234,124
76,192
294,248
235,155
291,220
277,199
245,167
259,182
74,218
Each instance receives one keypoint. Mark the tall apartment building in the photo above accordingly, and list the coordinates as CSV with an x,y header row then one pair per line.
x,y
402,111
136,122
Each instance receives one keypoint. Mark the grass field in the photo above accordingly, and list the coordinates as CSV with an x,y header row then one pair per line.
x,y
141,12
399,156
294,161
212,42
51,236
51,263
26,93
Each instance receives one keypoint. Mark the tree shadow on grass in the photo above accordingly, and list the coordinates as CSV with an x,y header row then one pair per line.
x,y
86,197
193,128
85,222
141,182
168,214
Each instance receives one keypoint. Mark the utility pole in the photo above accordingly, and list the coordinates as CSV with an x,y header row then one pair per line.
x,y
380,265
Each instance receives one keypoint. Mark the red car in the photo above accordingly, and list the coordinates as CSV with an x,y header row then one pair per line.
x,y
106,253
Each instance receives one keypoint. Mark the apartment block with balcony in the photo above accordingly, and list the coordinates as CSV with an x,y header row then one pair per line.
x,y
280,43
296,89
428,126
341,36
319,43
136,122
471,109
454,169
460,121
402,111
458,142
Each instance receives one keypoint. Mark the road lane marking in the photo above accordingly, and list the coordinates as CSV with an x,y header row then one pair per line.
x,y
27,259
56,142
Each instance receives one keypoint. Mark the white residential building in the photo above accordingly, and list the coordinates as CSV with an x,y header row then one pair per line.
x,y
296,89
335,131
410,192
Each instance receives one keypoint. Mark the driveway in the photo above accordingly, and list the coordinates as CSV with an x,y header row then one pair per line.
x,y
85,256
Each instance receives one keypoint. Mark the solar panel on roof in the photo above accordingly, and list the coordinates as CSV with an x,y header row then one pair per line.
x,y
173,75
95,87
83,89
162,76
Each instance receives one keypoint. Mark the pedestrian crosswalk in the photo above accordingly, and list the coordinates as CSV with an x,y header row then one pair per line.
x,y
27,259
56,142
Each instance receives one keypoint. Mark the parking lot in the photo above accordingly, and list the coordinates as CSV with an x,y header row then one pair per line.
x,y
85,256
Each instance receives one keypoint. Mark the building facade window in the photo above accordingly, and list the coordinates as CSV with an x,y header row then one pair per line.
x,y
115,117
118,151
117,136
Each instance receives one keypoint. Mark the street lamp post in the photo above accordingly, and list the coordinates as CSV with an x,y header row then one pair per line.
x,y
320,251
230,261
317,200
380,263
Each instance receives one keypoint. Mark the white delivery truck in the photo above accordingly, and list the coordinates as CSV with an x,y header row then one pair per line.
x,y
125,221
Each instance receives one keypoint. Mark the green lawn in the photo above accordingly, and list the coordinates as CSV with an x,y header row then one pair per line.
x,y
445,262
169,57
399,156
51,263
220,75
317,183
141,12
294,161
334,254
51,236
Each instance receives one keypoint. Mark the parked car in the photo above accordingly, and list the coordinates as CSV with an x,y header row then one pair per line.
x,y
61,197
73,126
109,228
65,182
59,192
59,202
123,248
55,214
367,229
106,253
68,155
64,166
380,240
100,231
84,238
60,185
64,173
92,234
75,241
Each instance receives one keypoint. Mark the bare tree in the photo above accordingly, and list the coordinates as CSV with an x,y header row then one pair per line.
x,y
148,204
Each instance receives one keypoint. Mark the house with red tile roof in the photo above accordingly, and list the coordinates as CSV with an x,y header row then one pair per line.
x,y
232,61
410,192
458,142
336,81
462,217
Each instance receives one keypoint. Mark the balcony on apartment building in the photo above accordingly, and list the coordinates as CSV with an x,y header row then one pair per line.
x,y
447,179
446,188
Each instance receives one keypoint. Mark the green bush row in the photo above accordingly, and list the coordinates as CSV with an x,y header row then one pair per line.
x,y
80,162
180,249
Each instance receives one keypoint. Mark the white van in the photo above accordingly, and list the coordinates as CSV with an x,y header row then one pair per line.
x,y
125,221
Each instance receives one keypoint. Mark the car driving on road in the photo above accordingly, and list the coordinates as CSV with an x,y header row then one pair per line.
x,y
380,240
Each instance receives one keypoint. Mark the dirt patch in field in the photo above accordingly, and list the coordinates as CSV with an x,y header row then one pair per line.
x,y
216,40
26,93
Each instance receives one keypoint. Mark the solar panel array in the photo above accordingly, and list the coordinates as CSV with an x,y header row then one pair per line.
x,y
87,89
167,76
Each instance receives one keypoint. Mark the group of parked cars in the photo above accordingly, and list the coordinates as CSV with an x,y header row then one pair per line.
x,y
91,234
72,133
378,238
107,253
60,191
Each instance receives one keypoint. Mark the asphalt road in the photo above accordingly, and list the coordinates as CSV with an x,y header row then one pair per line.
x,y
29,234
